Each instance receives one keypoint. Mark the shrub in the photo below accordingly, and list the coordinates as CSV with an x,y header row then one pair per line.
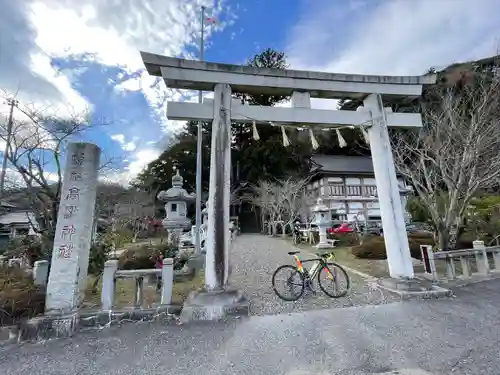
x,y
373,247
417,239
345,239
464,241
19,297
28,246
98,255
140,257
147,256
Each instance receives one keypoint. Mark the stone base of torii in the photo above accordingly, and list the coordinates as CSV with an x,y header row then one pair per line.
x,y
218,298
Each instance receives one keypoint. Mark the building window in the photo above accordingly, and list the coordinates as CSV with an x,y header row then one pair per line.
x,y
336,189
339,217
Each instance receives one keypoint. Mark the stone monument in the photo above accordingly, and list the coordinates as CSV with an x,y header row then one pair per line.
x,y
176,199
73,235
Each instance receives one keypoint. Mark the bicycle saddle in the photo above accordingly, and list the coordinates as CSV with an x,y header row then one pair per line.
x,y
293,252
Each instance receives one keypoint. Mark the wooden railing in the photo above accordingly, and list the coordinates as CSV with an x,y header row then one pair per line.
x,y
469,260
340,190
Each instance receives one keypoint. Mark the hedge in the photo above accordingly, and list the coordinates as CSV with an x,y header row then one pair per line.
x,y
19,296
344,239
147,256
373,247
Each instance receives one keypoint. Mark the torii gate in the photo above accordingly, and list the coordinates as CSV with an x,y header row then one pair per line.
x,y
302,86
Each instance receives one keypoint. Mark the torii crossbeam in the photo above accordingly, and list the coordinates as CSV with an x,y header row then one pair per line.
x,y
301,86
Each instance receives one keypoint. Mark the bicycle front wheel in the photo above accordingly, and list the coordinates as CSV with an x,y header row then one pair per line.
x,y
333,280
288,283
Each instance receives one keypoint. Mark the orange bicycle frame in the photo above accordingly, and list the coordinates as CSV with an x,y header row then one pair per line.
x,y
299,264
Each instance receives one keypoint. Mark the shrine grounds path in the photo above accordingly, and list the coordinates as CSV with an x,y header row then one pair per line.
x,y
255,257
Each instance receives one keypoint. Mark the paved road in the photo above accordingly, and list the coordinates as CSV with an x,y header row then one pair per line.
x,y
448,336
254,258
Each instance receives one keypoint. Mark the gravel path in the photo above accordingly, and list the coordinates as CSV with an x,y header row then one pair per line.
x,y
255,257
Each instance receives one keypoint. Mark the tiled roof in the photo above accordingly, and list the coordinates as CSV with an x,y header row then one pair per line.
x,y
343,164
20,217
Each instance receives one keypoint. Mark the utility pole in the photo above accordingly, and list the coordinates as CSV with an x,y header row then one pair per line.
x,y
199,145
12,104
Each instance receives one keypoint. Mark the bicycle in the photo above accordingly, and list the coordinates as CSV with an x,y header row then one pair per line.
x,y
298,238
324,267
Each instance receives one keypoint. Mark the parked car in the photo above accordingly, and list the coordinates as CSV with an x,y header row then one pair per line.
x,y
341,228
418,228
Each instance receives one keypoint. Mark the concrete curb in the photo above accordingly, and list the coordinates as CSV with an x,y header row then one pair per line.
x,y
432,292
48,327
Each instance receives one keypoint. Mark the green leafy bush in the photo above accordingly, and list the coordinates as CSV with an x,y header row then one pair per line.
x,y
464,241
373,247
98,255
19,297
345,239
147,256
30,247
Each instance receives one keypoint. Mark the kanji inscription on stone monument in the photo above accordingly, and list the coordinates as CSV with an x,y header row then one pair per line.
x,y
77,158
75,176
67,232
65,251
69,211
73,194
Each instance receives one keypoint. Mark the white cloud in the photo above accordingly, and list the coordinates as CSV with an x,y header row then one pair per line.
x,y
25,67
140,159
115,33
14,179
129,146
393,37
126,146
120,138
110,33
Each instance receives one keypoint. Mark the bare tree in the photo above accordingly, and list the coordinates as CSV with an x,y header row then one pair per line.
x,y
134,211
108,195
280,202
292,200
37,145
263,197
457,152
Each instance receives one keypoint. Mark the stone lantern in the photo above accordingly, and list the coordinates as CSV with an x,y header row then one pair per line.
x,y
176,199
323,221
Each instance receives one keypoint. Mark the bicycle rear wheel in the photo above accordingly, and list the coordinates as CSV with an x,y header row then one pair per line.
x,y
293,282
333,280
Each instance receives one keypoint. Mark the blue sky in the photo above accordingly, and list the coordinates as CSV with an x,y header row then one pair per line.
x,y
64,54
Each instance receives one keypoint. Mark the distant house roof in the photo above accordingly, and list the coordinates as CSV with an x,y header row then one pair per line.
x,y
20,217
341,164
7,204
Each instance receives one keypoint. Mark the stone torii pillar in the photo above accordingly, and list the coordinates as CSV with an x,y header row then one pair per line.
x,y
218,239
391,208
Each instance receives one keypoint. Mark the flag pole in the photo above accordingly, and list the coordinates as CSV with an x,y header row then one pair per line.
x,y
199,149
